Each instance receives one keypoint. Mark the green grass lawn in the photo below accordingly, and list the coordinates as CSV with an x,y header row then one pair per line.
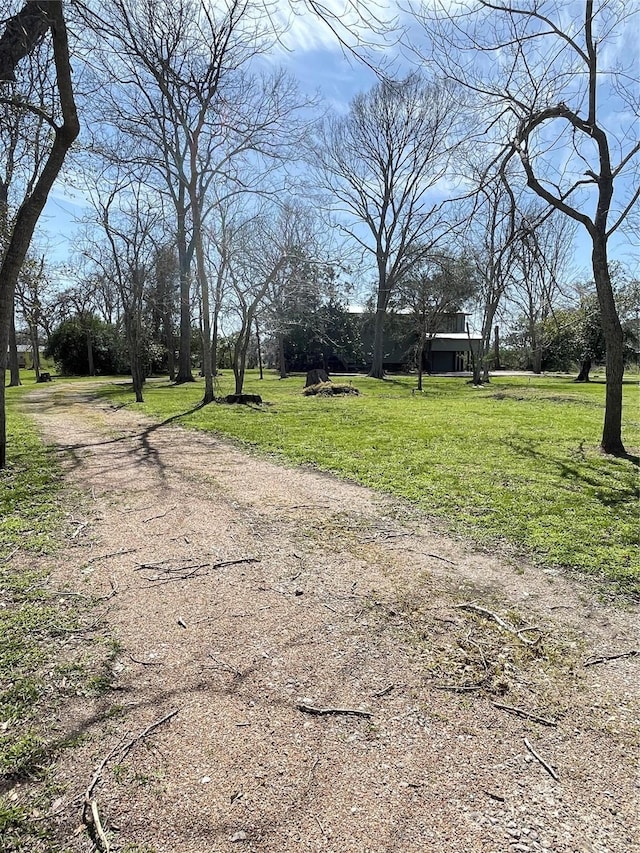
x,y
516,460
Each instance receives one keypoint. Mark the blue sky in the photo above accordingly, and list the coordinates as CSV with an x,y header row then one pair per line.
x,y
311,53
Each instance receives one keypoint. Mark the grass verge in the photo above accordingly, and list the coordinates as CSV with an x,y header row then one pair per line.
x,y
37,670
517,460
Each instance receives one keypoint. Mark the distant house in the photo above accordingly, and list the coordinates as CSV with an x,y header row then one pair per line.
x,y
449,350
25,356
348,347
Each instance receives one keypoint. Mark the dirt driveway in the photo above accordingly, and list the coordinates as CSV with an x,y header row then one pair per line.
x,y
250,597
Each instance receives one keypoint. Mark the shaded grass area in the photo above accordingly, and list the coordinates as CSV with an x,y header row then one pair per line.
x,y
516,460
36,668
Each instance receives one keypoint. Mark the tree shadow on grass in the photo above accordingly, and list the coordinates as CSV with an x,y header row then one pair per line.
x,y
612,479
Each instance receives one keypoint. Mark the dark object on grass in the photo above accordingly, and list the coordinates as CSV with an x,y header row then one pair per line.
x,y
244,399
44,377
328,389
316,376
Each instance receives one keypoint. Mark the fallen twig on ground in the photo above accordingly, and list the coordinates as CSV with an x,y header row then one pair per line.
x,y
493,796
81,526
114,591
546,766
305,506
477,646
631,653
236,672
147,662
380,693
161,515
188,572
520,712
90,814
517,632
108,556
457,688
438,557
322,712
94,826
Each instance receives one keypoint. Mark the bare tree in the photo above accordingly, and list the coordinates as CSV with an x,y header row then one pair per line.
x,y
269,253
30,291
38,26
542,81
178,88
542,256
492,238
162,301
297,291
439,286
127,218
381,164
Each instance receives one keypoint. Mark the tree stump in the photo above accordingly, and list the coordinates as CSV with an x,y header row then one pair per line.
x,y
316,376
243,399
44,377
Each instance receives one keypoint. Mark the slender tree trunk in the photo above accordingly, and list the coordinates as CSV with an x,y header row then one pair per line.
x,y
207,369
239,359
536,348
476,363
133,345
259,350
377,360
481,366
282,363
419,358
496,348
184,349
169,344
35,349
14,366
612,329
90,362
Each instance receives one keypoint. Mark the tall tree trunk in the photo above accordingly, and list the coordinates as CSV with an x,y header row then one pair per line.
x,y
536,348
419,358
240,356
169,344
14,366
259,350
612,329
133,345
282,362
496,348
35,349
476,361
204,293
480,362
377,360
184,349
90,361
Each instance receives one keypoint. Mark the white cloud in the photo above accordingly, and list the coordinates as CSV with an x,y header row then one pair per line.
x,y
308,25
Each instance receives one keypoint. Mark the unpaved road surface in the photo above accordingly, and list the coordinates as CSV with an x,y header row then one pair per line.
x,y
246,589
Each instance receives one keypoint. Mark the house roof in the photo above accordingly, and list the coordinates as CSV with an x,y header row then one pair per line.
x,y
456,336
